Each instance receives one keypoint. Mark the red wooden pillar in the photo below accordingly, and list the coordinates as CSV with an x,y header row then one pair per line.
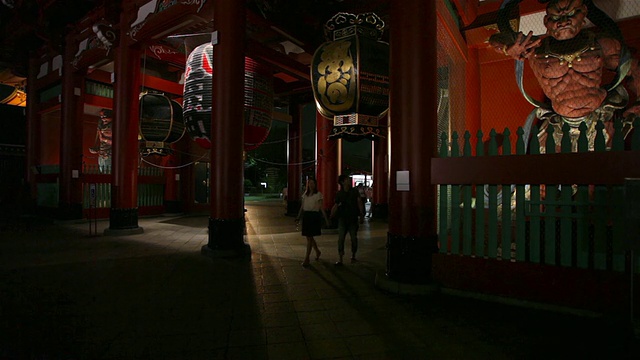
x,y
294,174
380,202
123,216
33,126
70,199
412,233
327,160
226,223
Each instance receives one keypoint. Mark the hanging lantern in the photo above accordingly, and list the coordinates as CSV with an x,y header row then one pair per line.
x,y
350,76
258,103
258,98
198,85
160,124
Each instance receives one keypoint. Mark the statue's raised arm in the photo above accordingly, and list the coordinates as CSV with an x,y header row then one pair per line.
x,y
569,63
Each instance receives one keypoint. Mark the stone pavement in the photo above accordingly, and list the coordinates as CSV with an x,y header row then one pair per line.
x,y
67,295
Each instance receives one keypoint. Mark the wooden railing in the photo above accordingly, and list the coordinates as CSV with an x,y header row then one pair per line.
x,y
563,209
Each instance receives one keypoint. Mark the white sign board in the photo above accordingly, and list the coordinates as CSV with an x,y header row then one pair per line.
x,y
402,180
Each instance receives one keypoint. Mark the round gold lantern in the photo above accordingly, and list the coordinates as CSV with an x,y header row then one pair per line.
x,y
350,76
160,124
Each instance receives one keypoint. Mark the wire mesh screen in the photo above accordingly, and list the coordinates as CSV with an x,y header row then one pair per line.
x,y
451,87
451,104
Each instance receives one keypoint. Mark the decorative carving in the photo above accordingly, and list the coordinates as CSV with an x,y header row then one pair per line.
x,y
158,50
105,33
144,12
200,3
342,25
356,132
105,38
154,7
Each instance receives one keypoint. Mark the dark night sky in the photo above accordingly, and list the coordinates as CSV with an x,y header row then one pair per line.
x,y
12,125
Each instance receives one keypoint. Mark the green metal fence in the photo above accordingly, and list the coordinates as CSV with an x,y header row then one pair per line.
x,y
149,194
550,222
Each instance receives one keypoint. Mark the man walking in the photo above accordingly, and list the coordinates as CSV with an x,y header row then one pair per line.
x,y
350,212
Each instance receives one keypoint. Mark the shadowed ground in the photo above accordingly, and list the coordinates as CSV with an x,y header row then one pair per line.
x,y
67,295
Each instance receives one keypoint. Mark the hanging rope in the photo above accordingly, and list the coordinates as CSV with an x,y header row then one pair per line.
x,y
185,153
173,167
287,164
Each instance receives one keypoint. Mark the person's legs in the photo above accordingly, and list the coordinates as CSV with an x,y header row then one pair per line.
x,y
310,241
104,164
314,244
342,232
353,234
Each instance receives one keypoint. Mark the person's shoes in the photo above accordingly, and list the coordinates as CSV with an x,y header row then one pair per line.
x,y
353,260
305,264
318,254
338,263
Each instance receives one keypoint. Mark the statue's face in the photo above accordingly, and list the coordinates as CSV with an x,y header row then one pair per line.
x,y
565,18
105,119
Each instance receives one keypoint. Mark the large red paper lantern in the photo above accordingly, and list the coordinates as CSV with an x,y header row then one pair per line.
x,y
258,98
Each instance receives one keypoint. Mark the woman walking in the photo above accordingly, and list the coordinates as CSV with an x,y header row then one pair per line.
x,y
311,212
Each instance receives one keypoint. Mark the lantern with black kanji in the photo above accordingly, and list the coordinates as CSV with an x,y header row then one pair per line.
x,y
350,76
258,98
161,124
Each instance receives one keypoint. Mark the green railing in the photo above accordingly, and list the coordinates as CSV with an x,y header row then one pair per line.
x,y
150,193
564,209
98,88
102,195
142,171
95,169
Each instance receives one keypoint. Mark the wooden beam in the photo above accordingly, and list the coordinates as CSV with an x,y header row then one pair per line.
x,y
606,168
277,59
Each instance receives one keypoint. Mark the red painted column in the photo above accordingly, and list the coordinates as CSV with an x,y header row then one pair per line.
x,y
123,216
33,126
412,233
70,199
294,174
327,160
380,201
226,223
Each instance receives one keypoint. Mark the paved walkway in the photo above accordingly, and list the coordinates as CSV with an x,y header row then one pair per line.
x,y
67,295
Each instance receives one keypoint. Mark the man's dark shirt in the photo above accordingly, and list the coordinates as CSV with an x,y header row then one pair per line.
x,y
348,208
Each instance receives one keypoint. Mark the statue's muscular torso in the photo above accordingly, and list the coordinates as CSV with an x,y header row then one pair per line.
x,y
570,72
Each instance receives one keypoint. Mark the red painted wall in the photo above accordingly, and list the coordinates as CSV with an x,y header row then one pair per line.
x,y
50,135
593,290
502,104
